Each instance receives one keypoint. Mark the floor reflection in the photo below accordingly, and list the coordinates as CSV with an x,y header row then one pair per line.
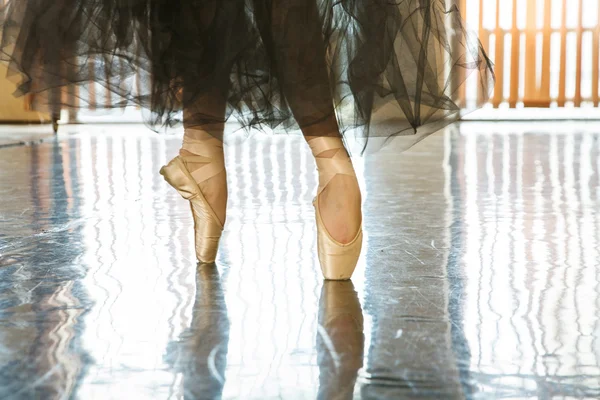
x,y
529,256
42,302
200,355
478,279
340,340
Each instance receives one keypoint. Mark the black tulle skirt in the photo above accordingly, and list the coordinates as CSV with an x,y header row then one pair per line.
x,y
379,67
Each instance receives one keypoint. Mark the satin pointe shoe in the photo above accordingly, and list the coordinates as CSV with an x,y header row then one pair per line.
x,y
338,260
207,226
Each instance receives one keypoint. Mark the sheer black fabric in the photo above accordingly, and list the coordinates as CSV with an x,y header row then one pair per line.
x,y
378,67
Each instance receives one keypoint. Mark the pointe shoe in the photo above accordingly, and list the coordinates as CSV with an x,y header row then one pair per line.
x,y
338,260
207,227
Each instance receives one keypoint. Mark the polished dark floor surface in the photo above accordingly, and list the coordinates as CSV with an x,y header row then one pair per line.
x,y
479,276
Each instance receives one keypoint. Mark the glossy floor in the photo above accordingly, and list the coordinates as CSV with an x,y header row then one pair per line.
x,y
479,276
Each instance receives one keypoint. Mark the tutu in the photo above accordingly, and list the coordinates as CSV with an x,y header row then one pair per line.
x,y
383,68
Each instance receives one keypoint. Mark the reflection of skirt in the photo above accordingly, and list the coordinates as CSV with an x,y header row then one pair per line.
x,y
384,67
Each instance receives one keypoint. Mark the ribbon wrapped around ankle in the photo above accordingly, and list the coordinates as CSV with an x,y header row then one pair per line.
x,y
207,150
329,167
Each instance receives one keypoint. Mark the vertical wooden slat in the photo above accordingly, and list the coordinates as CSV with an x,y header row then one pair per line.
x,y
72,96
462,7
596,61
74,101
562,84
462,90
69,93
29,99
484,37
498,92
578,75
108,93
531,95
514,58
91,86
138,80
544,90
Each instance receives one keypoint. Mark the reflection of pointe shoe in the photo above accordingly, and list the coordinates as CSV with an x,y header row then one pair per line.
x,y
341,346
338,260
207,227
200,355
210,310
